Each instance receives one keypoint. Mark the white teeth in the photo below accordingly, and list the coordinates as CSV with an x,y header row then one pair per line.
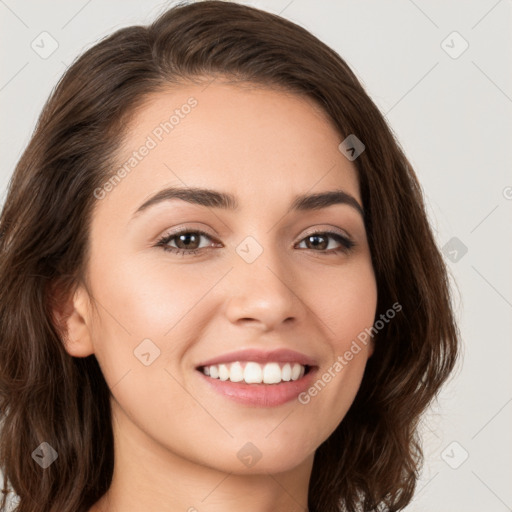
x,y
296,371
286,372
255,373
236,372
271,373
223,372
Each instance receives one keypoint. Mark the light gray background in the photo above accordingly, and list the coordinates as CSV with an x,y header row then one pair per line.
x,y
451,115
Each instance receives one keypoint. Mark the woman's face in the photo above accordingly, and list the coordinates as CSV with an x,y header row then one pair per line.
x,y
257,280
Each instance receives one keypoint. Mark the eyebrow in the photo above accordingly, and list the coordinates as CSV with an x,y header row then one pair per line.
x,y
217,199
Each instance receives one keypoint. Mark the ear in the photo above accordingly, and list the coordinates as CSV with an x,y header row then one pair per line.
x,y
71,314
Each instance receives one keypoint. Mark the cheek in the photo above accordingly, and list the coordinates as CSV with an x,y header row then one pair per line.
x,y
347,311
148,298
142,330
345,300
148,313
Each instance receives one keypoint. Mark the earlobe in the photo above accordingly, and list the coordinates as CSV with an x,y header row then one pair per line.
x,y
71,316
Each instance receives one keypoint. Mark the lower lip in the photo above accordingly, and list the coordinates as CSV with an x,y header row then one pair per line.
x,y
261,395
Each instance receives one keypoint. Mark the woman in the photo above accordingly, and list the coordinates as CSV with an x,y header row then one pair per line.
x,y
220,288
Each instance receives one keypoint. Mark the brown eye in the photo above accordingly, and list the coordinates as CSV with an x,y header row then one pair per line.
x,y
186,242
319,242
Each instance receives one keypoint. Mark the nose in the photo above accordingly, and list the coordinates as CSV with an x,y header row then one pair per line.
x,y
263,293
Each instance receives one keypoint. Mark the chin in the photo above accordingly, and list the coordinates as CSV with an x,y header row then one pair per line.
x,y
253,459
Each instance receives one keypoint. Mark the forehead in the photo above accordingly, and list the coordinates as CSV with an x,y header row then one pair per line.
x,y
257,142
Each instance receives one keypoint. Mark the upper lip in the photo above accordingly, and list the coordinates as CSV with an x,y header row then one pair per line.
x,y
261,356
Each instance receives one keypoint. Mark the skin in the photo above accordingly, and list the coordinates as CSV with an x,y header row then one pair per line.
x,y
176,440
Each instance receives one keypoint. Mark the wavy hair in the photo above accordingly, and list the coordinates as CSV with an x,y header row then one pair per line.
x,y
372,459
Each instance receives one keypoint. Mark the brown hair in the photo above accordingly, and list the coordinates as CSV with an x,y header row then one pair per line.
x,y
372,459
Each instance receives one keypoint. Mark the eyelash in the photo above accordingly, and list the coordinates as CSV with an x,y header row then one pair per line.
x,y
347,244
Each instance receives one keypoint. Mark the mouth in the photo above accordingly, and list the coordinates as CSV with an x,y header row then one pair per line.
x,y
251,372
254,384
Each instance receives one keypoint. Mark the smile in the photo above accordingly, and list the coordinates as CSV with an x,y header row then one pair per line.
x,y
251,372
261,385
